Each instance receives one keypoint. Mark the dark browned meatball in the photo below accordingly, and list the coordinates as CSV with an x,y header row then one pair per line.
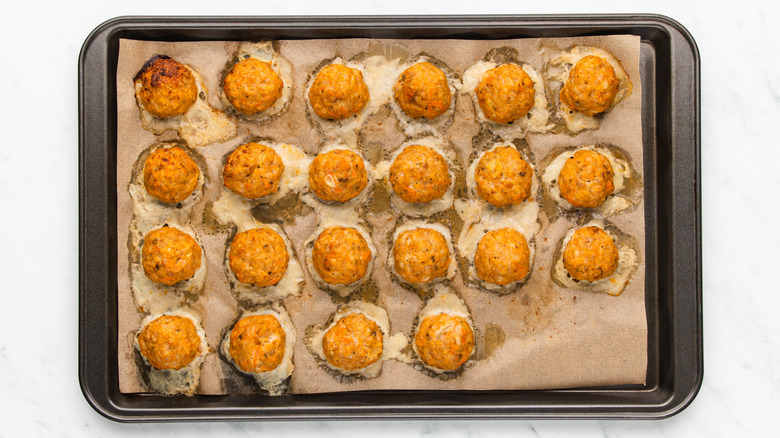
x,y
338,92
253,171
168,88
169,342
586,179
590,255
170,255
505,93
170,175
252,86
422,91
591,87
503,177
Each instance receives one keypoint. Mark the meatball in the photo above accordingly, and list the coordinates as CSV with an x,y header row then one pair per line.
x,y
503,177
502,256
257,343
170,255
590,255
170,175
586,179
421,255
338,175
444,342
341,255
258,257
169,342
168,88
419,174
591,87
422,91
253,171
338,92
354,342
252,86
505,93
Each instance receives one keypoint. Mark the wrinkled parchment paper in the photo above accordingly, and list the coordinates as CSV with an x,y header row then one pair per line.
x,y
542,336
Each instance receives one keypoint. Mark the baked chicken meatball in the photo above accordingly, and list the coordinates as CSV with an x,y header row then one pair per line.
x,y
354,342
586,179
503,177
505,93
502,256
252,86
419,174
590,255
257,343
253,171
168,88
258,257
338,175
591,87
169,342
444,342
170,174
341,255
421,255
170,255
422,91
338,92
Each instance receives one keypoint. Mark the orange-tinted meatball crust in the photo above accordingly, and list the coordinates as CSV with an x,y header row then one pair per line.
x,y
444,342
354,342
590,255
505,93
253,171
338,92
170,174
170,255
503,177
258,257
419,174
257,343
502,256
421,255
338,175
252,86
586,179
422,91
169,342
341,255
168,88
591,87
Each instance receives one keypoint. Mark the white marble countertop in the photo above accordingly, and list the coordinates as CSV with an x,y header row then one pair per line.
x,y
39,390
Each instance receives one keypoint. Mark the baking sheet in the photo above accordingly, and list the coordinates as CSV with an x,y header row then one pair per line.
x,y
552,339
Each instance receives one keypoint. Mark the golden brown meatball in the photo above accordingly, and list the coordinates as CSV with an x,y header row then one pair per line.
x,y
421,255
253,171
502,256
444,342
590,255
505,93
258,257
419,174
422,91
341,255
503,177
591,87
168,88
586,179
170,256
169,342
354,342
252,86
257,343
338,175
170,175
338,92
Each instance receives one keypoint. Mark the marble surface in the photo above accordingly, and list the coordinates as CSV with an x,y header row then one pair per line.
x,y
39,391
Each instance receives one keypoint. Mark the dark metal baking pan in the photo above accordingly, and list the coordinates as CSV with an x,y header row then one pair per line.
x,y
669,65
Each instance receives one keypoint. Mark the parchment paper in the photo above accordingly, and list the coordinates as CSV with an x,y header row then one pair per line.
x,y
542,336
